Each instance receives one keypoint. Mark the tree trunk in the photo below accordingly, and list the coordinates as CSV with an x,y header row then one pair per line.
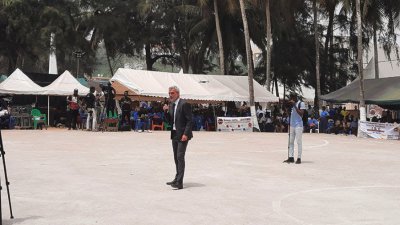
x,y
269,40
376,57
328,46
12,61
109,64
276,86
184,62
248,52
219,36
317,76
360,61
149,63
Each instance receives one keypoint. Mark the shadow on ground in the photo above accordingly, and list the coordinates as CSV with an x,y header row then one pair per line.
x,y
193,185
19,220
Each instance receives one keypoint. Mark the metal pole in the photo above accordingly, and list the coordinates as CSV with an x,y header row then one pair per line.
x,y
77,66
78,55
5,174
48,110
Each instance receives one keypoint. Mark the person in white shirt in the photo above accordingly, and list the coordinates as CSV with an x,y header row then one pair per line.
x,y
295,128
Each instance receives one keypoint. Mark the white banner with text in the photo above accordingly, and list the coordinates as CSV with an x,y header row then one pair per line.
x,y
389,131
229,124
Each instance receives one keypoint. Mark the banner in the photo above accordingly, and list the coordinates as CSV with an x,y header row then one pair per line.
x,y
389,131
229,124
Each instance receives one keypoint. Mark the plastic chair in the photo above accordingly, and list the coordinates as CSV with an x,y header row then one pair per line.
x,y
155,126
210,126
167,126
316,129
38,118
157,121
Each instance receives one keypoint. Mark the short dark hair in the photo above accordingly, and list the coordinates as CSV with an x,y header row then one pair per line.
x,y
292,95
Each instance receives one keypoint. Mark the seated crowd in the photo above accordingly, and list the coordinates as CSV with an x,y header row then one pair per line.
x,y
146,116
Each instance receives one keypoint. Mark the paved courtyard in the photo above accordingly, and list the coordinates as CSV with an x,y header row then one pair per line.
x,y
61,177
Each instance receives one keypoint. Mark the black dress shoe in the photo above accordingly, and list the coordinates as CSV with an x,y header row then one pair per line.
x,y
171,182
298,161
177,186
289,160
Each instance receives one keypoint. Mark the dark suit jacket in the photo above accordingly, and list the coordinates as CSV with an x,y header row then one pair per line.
x,y
183,119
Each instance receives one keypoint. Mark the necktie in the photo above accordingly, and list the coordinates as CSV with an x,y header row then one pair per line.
x,y
173,113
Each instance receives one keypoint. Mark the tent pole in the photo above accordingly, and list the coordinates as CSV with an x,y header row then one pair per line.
x,y
48,110
215,118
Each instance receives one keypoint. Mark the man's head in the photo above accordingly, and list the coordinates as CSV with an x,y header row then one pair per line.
x,y
293,96
173,93
126,93
103,87
92,89
75,92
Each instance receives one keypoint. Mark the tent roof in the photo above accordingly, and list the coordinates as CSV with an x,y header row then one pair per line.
x,y
65,85
192,86
19,83
383,91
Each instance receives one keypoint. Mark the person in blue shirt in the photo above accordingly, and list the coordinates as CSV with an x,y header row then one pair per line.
x,y
296,128
312,123
323,119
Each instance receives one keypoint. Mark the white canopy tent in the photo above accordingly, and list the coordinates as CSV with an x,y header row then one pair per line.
x,y
64,85
20,84
192,86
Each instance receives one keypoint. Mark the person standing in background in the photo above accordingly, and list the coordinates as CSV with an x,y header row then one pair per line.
x,y
296,128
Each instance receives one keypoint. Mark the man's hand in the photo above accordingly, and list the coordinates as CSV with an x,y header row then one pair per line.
x,y
184,138
165,107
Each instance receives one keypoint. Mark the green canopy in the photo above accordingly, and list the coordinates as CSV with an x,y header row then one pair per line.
x,y
383,91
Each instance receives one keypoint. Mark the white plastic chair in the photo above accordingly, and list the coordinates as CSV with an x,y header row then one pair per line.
x,y
316,129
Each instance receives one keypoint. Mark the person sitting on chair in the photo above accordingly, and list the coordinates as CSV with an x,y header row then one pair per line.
x,y
312,123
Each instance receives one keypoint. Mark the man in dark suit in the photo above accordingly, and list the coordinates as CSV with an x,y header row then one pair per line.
x,y
179,115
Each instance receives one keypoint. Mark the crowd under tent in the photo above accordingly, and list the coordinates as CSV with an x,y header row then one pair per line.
x,y
64,85
153,86
19,83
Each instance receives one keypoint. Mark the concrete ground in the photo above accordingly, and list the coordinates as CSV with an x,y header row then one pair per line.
x,y
61,177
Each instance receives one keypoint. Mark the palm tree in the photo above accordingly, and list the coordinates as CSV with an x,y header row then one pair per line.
x,y
317,75
373,18
219,33
269,42
248,52
360,61
219,36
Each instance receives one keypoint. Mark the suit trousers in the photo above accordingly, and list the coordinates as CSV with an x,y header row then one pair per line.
x,y
179,148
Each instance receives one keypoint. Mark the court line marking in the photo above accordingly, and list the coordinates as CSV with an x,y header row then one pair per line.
x,y
326,143
277,208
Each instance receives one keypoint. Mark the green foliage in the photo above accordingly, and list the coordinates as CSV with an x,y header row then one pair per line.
x,y
167,34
